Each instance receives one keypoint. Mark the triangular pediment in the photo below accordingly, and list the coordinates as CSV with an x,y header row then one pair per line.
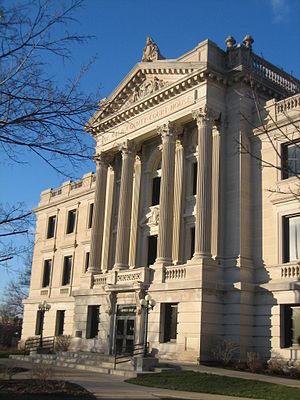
x,y
143,81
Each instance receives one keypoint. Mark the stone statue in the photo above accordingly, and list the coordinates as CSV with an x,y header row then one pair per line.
x,y
151,51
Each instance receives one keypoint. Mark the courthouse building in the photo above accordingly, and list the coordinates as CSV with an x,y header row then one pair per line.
x,y
195,201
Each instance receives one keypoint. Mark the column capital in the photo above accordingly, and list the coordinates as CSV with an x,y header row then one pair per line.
x,y
127,148
205,116
167,131
105,159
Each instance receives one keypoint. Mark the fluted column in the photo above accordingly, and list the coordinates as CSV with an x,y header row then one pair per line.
x,y
125,205
135,211
178,188
165,229
205,121
215,191
98,213
107,221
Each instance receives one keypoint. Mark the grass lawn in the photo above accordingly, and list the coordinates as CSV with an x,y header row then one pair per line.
x,y
208,383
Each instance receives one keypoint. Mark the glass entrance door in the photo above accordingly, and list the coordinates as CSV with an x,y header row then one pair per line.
x,y
125,327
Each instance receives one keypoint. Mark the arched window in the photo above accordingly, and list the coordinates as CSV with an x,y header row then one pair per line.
x,y
156,185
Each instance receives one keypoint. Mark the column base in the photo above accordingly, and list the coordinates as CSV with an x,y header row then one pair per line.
x,y
119,267
162,261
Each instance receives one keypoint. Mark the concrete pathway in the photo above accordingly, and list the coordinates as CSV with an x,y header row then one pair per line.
x,y
110,387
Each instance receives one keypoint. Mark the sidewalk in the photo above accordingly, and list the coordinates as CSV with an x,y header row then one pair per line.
x,y
112,387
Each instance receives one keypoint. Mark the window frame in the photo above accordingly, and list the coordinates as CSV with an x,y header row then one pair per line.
x,y
286,258
69,229
286,173
60,322
48,263
92,325
90,215
69,265
52,226
167,336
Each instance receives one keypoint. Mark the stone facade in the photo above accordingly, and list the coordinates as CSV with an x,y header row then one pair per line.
x,y
179,213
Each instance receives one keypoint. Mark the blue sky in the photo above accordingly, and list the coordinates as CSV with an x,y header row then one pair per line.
x,y
120,28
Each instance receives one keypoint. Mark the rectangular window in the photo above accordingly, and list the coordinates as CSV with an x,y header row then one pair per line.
x,y
155,190
152,249
87,261
192,241
169,313
290,160
91,211
194,181
60,321
51,227
67,270
289,325
291,238
38,322
92,325
71,221
46,273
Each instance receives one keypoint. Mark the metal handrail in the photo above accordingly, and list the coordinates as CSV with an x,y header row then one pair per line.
x,y
136,350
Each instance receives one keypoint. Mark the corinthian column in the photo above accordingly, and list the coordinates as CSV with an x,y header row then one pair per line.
x,y
125,205
165,229
98,213
205,121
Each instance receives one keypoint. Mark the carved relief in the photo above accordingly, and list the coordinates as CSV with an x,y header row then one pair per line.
x,y
148,87
153,218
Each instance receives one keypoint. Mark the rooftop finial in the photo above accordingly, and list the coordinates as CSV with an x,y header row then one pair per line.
x,y
248,40
230,42
151,51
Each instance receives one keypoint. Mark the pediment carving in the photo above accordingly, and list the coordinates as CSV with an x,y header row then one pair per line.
x,y
148,87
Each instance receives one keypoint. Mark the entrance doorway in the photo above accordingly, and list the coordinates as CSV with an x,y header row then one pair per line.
x,y
125,329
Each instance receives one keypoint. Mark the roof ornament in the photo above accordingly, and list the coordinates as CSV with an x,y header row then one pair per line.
x,y
230,42
248,40
151,51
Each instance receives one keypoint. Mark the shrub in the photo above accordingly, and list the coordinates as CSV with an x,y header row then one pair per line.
x,y
224,351
241,365
62,343
276,364
254,362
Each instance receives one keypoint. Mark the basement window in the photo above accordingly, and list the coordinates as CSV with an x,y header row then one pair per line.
x,y
92,326
169,312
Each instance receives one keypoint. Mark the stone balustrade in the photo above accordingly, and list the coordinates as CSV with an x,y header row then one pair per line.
x,y
174,273
99,280
289,270
129,276
279,110
274,74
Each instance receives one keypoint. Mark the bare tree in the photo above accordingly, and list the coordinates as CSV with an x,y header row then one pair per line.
x,y
17,288
37,115
274,133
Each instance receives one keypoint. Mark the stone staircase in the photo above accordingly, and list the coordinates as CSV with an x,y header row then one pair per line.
x,y
84,361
